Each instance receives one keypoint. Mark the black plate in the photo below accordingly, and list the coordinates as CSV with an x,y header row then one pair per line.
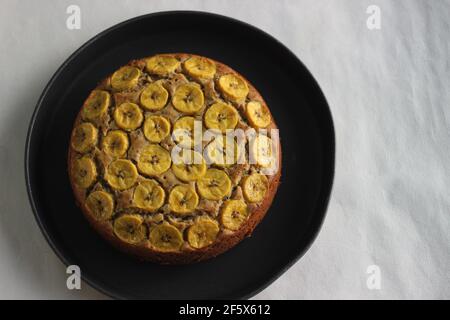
x,y
306,130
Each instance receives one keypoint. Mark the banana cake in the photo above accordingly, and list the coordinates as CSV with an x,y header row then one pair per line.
x,y
174,158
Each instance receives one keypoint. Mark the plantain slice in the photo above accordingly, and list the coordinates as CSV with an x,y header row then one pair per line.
x,y
128,116
154,160
200,67
84,172
233,214
189,165
202,233
100,204
156,128
149,195
84,137
96,105
130,228
162,65
154,97
214,185
125,78
116,143
183,199
257,114
233,87
221,116
255,187
183,132
121,174
188,98
166,238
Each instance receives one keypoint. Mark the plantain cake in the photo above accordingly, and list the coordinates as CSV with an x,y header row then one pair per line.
x,y
131,167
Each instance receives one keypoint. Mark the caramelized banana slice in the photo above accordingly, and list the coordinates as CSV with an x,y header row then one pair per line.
x,y
125,78
100,205
84,172
233,214
149,195
255,187
221,116
188,98
183,132
166,238
233,87
156,128
154,160
162,65
223,151
121,174
154,97
261,151
214,185
130,228
200,68
116,143
202,233
257,114
128,116
96,105
84,137
183,199
189,165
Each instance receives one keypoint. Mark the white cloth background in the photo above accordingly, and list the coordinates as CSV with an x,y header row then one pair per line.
x,y
389,92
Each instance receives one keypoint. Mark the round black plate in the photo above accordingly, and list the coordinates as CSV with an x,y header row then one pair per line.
x,y
307,138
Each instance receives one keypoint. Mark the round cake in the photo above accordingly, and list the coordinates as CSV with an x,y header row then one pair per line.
x,y
174,158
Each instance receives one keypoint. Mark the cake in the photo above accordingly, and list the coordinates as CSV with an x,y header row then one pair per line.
x,y
174,158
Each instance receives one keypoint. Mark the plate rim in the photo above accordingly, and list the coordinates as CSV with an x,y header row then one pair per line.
x,y
326,189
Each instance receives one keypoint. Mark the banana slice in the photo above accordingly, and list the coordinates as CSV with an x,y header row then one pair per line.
x,y
125,78
154,160
255,187
121,174
128,116
84,137
130,228
221,116
154,97
257,114
166,238
214,185
233,87
156,128
233,214
189,165
261,151
183,199
149,195
96,105
202,233
162,65
84,172
200,67
100,204
183,132
188,98
223,151
116,143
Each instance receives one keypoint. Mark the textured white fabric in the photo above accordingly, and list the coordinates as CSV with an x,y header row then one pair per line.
x,y
388,90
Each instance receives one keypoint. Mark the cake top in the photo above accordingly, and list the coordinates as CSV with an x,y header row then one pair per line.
x,y
173,150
